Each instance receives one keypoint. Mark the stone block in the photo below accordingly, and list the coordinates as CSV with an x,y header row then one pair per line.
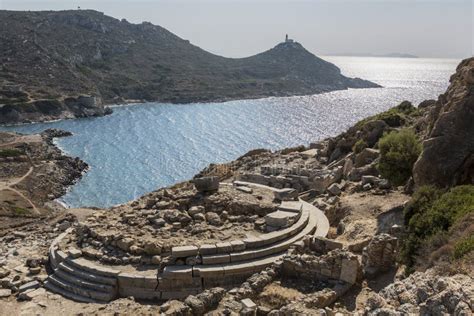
x,y
184,251
291,206
248,307
207,249
237,245
74,253
29,286
349,271
334,189
286,194
280,218
244,189
224,247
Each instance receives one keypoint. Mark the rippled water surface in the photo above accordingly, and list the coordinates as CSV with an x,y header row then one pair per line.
x,y
142,147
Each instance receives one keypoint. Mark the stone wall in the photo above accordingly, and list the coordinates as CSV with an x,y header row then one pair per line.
x,y
338,264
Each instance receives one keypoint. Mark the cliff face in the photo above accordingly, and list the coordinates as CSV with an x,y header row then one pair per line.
x,y
52,55
448,154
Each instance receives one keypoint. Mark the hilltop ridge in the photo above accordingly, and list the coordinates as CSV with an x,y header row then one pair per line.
x,y
53,55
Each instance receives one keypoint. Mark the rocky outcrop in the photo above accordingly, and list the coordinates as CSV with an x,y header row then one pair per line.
x,y
425,293
448,153
51,109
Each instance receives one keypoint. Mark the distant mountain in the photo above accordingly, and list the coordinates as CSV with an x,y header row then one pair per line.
x,y
393,55
55,55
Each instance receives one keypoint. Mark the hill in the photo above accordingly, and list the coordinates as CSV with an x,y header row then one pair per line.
x,y
54,55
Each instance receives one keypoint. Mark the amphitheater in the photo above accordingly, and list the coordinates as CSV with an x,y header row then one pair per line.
x,y
190,266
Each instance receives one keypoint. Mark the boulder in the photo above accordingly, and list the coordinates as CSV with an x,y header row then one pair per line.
x,y
447,158
334,189
196,305
125,243
206,184
366,156
152,248
213,219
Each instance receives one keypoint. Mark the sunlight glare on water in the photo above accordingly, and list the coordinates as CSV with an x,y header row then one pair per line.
x,y
140,148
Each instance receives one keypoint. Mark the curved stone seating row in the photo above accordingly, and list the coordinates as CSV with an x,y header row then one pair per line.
x,y
223,252
84,280
80,279
264,245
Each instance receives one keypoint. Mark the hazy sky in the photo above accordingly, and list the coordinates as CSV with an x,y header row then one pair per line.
x,y
237,28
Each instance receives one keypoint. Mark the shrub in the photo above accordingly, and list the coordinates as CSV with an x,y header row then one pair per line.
x,y
421,201
398,152
359,146
10,153
394,117
463,247
429,216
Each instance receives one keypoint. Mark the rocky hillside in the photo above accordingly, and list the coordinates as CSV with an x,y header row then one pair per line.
x,y
54,55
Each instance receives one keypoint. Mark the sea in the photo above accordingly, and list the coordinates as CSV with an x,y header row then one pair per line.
x,y
142,147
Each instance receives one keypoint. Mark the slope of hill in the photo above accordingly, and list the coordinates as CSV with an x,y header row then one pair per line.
x,y
57,54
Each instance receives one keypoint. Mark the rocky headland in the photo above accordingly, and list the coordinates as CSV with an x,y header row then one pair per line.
x,y
51,61
368,222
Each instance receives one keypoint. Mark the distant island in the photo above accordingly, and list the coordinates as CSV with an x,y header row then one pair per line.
x,y
65,64
390,55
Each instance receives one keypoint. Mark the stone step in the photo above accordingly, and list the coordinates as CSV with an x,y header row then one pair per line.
x,y
58,290
92,268
73,279
67,286
306,225
93,278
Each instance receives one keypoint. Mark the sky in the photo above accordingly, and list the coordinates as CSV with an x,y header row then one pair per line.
x,y
239,28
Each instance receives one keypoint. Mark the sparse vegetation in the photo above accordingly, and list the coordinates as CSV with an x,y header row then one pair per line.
x,y
359,146
4,153
399,151
430,216
395,117
20,211
463,247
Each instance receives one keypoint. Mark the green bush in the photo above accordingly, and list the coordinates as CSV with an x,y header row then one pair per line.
x,y
429,216
463,247
421,201
394,117
359,146
10,153
398,152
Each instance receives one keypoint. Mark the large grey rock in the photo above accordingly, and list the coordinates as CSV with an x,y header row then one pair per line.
x,y
447,158
365,157
206,184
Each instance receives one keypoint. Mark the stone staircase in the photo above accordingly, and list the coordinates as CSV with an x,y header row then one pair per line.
x,y
77,283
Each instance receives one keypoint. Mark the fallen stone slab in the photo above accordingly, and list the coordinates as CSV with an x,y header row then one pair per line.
x,y
291,206
31,294
280,218
334,189
244,189
29,285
